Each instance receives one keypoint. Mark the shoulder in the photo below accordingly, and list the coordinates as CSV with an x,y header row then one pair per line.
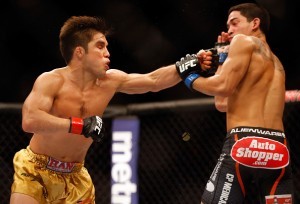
x,y
245,39
114,78
52,78
116,74
244,42
55,74
278,64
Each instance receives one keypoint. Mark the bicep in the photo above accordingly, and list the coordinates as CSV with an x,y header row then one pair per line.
x,y
136,83
237,62
42,95
133,83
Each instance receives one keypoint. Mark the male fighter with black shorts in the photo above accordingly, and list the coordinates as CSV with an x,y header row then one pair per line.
x,y
64,110
249,86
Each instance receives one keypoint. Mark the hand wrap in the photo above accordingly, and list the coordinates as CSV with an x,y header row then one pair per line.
x,y
89,127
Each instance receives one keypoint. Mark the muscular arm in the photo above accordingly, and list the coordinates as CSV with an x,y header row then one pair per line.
x,y
233,69
220,102
36,108
155,81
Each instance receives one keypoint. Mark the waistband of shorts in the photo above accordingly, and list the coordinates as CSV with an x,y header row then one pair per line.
x,y
52,164
258,131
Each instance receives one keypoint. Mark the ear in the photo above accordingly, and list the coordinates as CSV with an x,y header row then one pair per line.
x,y
256,23
79,51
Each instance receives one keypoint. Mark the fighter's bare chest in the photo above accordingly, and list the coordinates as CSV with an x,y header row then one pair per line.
x,y
81,104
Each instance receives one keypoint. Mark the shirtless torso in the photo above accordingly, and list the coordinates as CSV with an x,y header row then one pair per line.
x,y
258,99
69,100
250,87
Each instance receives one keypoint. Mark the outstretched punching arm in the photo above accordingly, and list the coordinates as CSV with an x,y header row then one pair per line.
x,y
159,79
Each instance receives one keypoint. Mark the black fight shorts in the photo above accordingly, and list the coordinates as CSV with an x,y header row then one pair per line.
x,y
254,164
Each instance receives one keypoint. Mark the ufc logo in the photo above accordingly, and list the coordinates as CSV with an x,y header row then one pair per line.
x,y
99,124
186,65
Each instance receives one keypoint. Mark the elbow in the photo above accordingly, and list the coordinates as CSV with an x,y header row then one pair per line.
x,y
30,119
221,107
221,103
28,125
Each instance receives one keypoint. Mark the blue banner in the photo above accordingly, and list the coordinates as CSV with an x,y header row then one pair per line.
x,y
124,151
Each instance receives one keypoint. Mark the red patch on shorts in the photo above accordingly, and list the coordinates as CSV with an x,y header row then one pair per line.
x,y
64,167
259,152
279,199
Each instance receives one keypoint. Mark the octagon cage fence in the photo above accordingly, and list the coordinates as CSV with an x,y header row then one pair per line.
x,y
170,170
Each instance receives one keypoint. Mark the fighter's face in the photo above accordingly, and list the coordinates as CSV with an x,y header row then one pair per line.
x,y
238,24
98,54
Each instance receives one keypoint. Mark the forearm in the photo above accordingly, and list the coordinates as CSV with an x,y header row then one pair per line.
x,y
212,86
41,122
165,77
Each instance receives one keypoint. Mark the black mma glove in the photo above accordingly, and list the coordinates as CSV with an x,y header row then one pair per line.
x,y
218,57
223,53
188,69
89,127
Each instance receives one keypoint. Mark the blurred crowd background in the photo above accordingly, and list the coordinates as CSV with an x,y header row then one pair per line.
x,y
147,35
